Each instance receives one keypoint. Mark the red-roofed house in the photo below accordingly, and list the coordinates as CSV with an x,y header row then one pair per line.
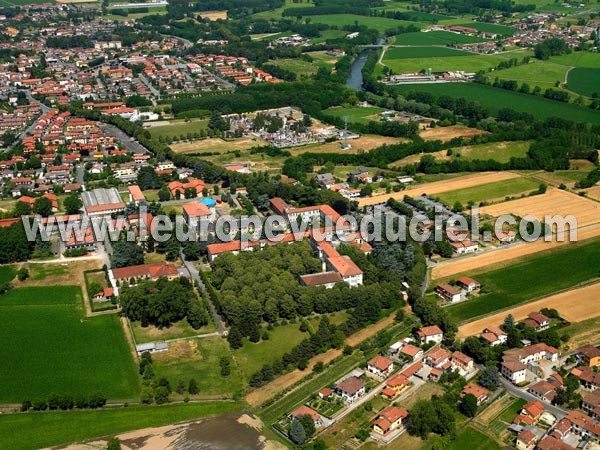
x,y
148,271
395,385
306,411
526,440
480,393
196,213
432,333
381,366
351,389
468,284
136,195
389,420
177,188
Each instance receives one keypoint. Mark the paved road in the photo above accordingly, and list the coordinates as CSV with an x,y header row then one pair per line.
x,y
191,268
152,89
557,411
127,141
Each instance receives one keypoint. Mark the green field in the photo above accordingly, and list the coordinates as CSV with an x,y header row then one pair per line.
x,y
579,59
537,73
39,430
499,151
203,365
489,191
13,3
507,416
472,439
54,348
512,285
490,28
436,38
584,81
441,59
177,128
495,99
302,68
177,330
375,23
355,114
7,273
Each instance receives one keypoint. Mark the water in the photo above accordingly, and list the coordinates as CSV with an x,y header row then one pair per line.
x,y
355,80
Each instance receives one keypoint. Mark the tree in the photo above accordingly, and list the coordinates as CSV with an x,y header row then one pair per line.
x,y
193,387
234,338
161,395
225,366
126,253
180,389
22,274
147,396
73,203
42,206
468,405
422,419
197,315
164,194
490,378
297,434
114,444
308,424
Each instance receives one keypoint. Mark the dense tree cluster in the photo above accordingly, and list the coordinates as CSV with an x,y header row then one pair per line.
x,y
66,402
14,245
163,303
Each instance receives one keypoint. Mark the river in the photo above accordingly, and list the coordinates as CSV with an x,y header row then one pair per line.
x,y
355,79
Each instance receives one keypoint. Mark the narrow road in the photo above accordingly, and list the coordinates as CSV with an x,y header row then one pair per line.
x,y
191,268
556,411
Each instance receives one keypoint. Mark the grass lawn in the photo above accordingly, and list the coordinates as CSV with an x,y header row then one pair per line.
x,y
485,27
55,349
177,330
178,127
329,34
499,151
579,59
7,273
512,285
302,68
473,440
585,81
494,99
441,59
436,38
251,357
506,417
288,402
537,73
39,430
355,114
199,359
489,191
375,23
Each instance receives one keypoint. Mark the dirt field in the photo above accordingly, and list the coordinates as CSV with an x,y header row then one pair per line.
x,y
504,255
438,187
259,396
447,133
554,201
216,145
575,306
213,15
594,193
363,143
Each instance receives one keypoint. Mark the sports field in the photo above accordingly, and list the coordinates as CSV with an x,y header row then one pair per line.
x,y
584,81
40,430
436,38
544,74
375,23
554,201
575,306
440,59
495,99
51,347
178,128
512,285
492,191
355,114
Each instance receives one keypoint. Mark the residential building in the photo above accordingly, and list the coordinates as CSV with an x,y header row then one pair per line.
x,y
432,333
543,390
468,284
526,440
197,215
136,195
591,404
381,366
583,425
389,420
551,443
151,271
306,411
514,371
448,292
589,379
530,413
462,362
480,393
411,352
537,321
327,279
590,355
395,385
351,389
438,358
494,336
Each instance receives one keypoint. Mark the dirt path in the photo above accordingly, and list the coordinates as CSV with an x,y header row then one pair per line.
x,y
437,187
505,255
575,305
259,396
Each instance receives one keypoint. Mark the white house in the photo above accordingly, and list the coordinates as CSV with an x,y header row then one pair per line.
x,y
431,333
514,371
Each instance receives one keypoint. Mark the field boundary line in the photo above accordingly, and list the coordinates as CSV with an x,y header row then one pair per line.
x,y
588,283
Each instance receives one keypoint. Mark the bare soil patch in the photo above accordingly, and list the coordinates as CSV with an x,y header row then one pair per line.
x,y
363,143
216,145
214,15
437,187
554,201
447,133
575,305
